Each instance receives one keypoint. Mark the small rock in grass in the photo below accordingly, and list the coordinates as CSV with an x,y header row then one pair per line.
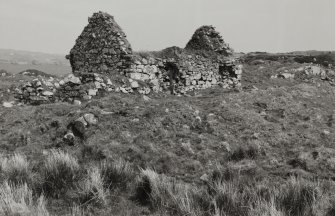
x,y
79,126
225,146
204,178
326,132
69,138
87,97
77,102
90,119
146,98
8,104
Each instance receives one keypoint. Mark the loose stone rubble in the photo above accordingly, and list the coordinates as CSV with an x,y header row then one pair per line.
x,y
102,52
307,71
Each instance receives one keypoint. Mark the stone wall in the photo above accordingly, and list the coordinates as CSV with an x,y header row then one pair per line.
x,y
196,72
102,53
71,88
208,39
206,60
101,48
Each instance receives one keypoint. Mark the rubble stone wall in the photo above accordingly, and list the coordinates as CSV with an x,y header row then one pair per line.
x,y
101,48
196,72
102,52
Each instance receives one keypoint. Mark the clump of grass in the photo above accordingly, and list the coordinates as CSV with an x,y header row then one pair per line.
x,y
265,208
76,211
224,173
93,191
117,174
61,172
229,199
331,209
166,194
41,209
298,196
15,169
245,152
18,200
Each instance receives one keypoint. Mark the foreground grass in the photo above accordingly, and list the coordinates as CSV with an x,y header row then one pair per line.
x,y
95,189
18,200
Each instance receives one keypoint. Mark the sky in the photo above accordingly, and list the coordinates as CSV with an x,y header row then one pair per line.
x,y
52,26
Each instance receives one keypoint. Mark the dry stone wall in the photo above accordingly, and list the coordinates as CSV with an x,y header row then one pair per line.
x,y
71,88
196,72
208,39
102,53
101,48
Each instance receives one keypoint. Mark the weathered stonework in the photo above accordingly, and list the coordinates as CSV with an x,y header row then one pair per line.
x,y
101,48
208,39
102,53
196,72
206,61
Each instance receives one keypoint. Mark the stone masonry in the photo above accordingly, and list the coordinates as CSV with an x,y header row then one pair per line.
x,y
102,61
206,60
208,39
101,48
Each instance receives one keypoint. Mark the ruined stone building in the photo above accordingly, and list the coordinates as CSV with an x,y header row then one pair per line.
x,y
102,54
206,60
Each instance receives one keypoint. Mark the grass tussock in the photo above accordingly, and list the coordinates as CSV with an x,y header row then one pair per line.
x,y
166,194
15,169
93,191
230,197
297,197
245,152
61,172
117,174
18,200
265,208
76,211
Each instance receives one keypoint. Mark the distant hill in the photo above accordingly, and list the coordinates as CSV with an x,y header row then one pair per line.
x,y
325,58
15,61
34,58
312,53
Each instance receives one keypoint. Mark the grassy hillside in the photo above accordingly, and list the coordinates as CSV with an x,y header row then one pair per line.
x,y
265,150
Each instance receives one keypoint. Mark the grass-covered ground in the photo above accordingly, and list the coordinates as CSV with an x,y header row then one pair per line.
x,y
266,150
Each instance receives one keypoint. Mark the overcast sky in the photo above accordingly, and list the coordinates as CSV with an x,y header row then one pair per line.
x,y
247,25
